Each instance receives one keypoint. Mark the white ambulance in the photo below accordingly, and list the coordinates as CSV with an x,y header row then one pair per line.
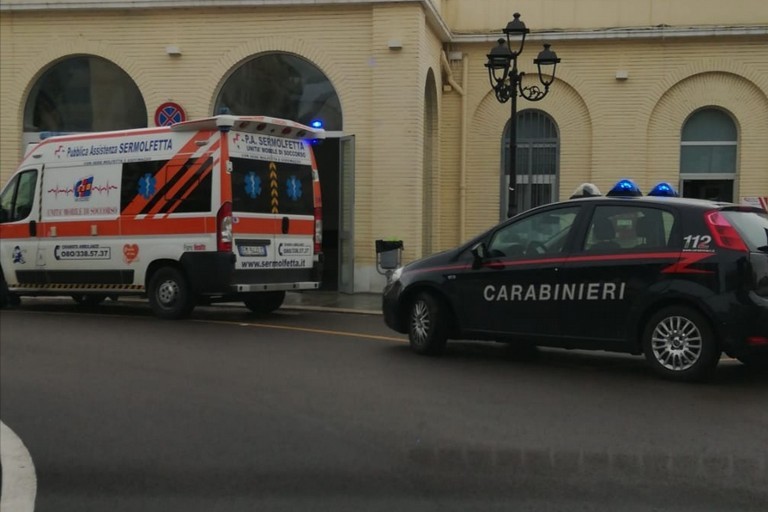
x,y
217,209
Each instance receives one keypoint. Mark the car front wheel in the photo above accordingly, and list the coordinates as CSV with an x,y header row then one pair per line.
x,y
679,344
427,325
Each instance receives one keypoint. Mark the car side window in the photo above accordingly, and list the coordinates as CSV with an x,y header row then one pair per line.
x,y
628,228
18,197
543,233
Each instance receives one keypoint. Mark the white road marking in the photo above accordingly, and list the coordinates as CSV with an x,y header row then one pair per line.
x,y
19,479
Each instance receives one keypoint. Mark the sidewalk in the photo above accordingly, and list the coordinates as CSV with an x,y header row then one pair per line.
x,y
364,303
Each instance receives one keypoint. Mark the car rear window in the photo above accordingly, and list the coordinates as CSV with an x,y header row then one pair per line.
x,y
752,226
259,186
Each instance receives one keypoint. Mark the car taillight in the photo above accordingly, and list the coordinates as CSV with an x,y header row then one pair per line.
x,y
224,228
723,233
318,230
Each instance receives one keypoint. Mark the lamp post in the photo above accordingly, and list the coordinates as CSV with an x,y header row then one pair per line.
x,y
507,84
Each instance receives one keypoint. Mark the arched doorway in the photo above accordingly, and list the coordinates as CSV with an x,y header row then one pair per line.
x,y
83,94
537,163
290,87
708,149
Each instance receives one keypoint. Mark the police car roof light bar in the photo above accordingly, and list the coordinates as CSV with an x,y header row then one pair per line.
x,y
663,189
625,188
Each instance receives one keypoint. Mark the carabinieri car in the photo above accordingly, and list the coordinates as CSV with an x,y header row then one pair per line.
x,y
678,280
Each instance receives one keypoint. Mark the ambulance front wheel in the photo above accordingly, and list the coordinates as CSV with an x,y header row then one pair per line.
x,y
427,324
169,294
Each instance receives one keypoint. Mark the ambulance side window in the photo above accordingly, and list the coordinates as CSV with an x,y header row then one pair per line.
x,y
140,179
18,197
543,233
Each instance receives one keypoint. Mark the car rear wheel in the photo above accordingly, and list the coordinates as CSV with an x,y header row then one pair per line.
x,y
427,325
679,344
263,303
169,294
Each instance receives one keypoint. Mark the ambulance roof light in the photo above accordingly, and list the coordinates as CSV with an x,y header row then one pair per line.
x,y
585,190
663,189
317,123
625,188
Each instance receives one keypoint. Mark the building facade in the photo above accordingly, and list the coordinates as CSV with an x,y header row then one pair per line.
x,y
417,146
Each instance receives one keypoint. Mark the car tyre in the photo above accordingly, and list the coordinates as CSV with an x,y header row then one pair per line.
x,y
169,294
427,324
263,303
679,344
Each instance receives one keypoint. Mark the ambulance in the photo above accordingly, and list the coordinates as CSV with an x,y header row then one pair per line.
x,y
226,208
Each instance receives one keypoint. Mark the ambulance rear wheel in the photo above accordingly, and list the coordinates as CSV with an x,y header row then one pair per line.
x,y
427,324
263,303
169,294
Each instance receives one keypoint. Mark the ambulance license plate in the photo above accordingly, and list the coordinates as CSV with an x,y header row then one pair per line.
x,y
252,250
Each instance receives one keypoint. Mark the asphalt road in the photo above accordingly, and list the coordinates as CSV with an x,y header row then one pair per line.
x,y
324,411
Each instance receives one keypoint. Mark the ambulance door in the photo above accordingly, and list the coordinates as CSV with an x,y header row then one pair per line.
x,y
79,248
19,219
295,209
253,222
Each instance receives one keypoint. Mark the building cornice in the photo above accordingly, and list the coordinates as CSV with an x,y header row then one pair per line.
x,y
434,19
664,32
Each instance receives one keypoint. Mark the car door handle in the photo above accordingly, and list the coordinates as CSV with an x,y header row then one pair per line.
x,y
286,224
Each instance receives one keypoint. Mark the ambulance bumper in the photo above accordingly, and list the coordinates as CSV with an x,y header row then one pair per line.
x,y
214,273
245,288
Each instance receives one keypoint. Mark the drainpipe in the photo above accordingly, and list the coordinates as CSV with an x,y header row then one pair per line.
x,y
463,139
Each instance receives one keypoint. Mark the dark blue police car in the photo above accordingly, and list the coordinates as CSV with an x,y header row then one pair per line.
x,y
678,280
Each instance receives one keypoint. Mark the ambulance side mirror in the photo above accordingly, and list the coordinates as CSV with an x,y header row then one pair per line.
x,y
480,252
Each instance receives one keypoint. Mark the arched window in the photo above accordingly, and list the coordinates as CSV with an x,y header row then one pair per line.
x,y
538,161
281,85
83,94
708,148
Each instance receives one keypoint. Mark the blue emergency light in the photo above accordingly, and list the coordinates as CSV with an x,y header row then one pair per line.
x,y
663,189
316,124
625,188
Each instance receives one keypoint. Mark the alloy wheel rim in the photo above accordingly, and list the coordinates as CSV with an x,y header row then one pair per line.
x,y
167,292
677,343
420,322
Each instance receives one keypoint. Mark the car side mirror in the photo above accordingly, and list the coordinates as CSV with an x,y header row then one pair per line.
x,y
480,252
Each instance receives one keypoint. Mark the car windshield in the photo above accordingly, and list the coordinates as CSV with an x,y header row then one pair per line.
x,y
752,226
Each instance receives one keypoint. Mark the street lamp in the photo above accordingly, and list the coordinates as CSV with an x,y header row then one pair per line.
x,y
506,82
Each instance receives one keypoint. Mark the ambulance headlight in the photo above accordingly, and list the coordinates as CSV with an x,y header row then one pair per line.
x,y
663,189
625,188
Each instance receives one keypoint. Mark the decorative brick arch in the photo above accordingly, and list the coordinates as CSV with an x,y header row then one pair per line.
x,y
739,96
568,110
34,69
233,59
